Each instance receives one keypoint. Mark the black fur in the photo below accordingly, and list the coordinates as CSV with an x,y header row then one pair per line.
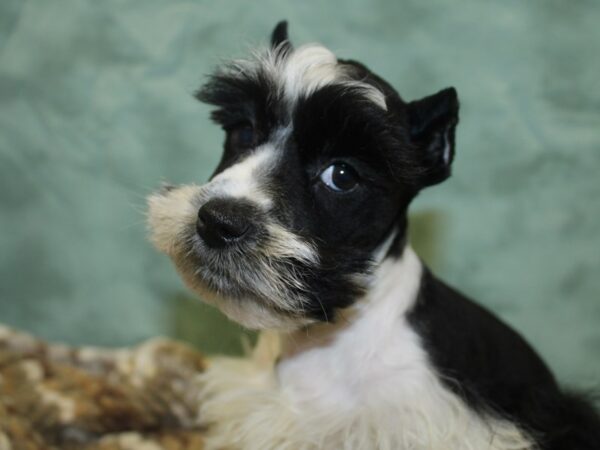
x,y
396,151
495,371
280,35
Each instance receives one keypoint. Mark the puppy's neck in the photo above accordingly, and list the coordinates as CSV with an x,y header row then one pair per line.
x,y
392,291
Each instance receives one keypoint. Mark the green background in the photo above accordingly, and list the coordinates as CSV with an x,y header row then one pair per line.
x,y
96,109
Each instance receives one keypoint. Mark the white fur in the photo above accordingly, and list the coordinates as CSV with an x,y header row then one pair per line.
x,y
242,180
362,383
248,313
447,149
305,70
285,244
170,215
381,251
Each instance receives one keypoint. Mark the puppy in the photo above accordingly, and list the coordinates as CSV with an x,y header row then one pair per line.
x,y
302,230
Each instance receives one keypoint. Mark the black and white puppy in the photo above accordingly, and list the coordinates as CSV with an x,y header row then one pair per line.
x,y
302,230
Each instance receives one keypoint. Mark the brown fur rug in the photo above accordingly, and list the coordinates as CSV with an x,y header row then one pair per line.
x,y
57,397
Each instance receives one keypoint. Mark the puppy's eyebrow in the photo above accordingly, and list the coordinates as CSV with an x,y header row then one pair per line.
x,y
226,88
274,75
239,96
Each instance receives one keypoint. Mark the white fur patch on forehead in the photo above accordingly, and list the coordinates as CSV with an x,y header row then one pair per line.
x,y
304,70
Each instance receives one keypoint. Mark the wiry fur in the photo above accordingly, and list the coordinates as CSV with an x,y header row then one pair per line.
x,y
376,388
298,73
255,290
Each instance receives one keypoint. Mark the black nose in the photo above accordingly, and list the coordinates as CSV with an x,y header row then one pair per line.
x,y
222,221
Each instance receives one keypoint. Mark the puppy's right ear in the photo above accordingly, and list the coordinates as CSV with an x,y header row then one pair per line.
x,y
279,36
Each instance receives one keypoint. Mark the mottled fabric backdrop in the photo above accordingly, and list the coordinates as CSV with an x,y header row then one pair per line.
x,y
96,109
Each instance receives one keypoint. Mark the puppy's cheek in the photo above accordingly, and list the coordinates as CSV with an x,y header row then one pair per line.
x,y
171,218
285,245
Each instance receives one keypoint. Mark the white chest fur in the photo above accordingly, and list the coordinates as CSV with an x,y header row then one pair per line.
x,y
362,383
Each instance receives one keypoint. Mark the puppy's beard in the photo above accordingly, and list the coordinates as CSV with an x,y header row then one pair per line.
x,y
258,284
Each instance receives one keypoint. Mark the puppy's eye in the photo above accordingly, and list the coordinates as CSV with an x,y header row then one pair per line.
x,y
340,177
242,136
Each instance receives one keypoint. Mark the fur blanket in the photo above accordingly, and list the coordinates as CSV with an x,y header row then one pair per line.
x,y
56,397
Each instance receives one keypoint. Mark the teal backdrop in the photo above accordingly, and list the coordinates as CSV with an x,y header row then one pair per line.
x,y
96,109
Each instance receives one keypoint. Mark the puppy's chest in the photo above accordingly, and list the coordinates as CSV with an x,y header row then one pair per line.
x,y
375,384
362,369
362,383
347,395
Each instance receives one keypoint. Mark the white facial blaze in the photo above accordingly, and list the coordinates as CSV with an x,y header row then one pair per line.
x,y
243,180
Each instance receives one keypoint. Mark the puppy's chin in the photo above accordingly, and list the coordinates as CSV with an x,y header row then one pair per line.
x,y
250,287
250,313
253,314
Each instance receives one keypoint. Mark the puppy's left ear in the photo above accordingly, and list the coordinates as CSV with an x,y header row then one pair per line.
x,y
279,36
432,122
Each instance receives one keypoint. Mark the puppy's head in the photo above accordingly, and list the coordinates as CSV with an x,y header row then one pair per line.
x,y
321,159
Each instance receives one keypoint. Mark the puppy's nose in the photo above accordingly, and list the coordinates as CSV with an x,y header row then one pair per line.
x,y
222,221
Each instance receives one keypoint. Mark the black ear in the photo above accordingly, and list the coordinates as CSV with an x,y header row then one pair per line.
x,y
432,122
279,36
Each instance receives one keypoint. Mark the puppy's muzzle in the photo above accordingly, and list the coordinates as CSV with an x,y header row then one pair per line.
x,y
226,221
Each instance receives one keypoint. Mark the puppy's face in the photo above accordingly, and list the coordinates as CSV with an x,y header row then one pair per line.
x,y
321,160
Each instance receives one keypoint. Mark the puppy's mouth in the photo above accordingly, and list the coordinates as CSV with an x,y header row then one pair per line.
x,y
232,252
